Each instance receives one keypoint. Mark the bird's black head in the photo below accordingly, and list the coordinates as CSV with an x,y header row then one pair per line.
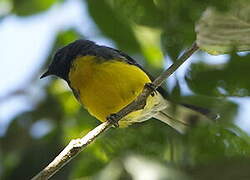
x,y
63,58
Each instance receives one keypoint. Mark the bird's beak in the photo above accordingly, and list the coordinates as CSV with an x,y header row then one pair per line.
x,y
47,73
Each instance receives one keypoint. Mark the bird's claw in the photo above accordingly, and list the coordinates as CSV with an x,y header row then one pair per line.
x,y
152,87
112,118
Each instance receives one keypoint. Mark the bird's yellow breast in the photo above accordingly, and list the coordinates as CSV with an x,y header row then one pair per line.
x,y
105,87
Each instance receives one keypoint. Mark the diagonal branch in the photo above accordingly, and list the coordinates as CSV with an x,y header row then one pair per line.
x,y
77,145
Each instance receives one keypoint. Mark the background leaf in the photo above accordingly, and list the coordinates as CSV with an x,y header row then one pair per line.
x,y
231,29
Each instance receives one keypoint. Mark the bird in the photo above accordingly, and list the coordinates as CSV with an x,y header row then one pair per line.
x,y
104,80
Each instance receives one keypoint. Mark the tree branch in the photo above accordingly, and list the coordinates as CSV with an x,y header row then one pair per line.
x,y
77,145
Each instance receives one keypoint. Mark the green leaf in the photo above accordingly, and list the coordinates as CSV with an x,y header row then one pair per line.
x,y
31,7
113,25
221,32
214,142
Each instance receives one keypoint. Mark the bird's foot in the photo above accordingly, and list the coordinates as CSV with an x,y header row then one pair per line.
x,y
112,118
152,87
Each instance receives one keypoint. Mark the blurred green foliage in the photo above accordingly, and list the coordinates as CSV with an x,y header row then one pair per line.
x,y
149,30
228,79
24,8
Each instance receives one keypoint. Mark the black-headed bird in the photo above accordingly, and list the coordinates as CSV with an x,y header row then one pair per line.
x,y
104,80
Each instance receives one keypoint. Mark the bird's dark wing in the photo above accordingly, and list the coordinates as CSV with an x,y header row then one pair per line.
x,y
130,60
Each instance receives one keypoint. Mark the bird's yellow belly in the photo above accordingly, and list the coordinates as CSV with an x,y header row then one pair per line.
x,y
105,87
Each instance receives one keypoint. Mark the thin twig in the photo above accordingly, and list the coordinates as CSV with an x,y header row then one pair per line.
x,y
70,151
77,145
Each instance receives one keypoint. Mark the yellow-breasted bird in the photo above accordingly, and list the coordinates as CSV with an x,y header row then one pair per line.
x,y
104,80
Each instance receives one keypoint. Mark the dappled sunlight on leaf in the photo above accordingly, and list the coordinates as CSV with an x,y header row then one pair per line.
x,y
231,29
149,40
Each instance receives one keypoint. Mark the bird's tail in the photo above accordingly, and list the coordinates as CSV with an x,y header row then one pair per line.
x,y
183,116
